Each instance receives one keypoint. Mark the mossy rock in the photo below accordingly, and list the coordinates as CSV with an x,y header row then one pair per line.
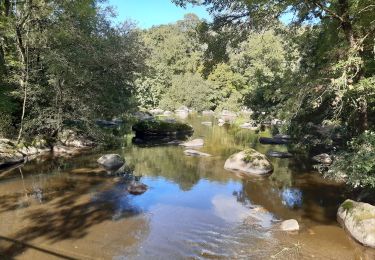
x,y
250,162
358,219
161,128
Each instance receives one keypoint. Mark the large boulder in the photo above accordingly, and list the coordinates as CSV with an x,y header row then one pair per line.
x,y
250,162
193,143
111,162
358,219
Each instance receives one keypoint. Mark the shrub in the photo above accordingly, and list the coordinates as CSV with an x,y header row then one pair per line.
x,y
357,164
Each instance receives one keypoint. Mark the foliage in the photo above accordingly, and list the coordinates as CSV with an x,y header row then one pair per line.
x,y
160,127
357,164
63,61
190,90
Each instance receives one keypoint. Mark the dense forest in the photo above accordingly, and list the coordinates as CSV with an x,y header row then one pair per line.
x,y
63,61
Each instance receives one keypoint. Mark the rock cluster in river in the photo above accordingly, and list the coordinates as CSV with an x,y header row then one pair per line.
x,y
358,219
249,161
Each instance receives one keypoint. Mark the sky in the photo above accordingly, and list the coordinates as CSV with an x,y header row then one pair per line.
x,y
153,12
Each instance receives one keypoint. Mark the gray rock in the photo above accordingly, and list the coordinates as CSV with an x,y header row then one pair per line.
x,y
289,225
208,113
228,116
207,123
111,162
358,219
142,115
193,143
323,159
250,162
136,188
168,113
157,111
191,152
71,138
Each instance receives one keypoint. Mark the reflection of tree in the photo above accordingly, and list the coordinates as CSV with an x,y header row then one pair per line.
x,y
168,162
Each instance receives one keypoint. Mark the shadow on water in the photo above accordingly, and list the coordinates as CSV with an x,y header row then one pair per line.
x,y
63,208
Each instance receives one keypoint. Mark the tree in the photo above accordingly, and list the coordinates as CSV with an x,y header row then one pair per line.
x,y
354,20
173,49
189,90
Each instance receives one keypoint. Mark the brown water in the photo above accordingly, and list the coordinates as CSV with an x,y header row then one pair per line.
x,y
194,209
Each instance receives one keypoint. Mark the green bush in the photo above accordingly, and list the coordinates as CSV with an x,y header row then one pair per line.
x,y
357,164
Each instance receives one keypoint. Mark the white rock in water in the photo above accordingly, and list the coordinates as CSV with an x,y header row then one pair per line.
x,y
358,219
249,161
289,225
193,143
192,152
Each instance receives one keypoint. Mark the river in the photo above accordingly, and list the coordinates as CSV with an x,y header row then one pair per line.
x,y
61,208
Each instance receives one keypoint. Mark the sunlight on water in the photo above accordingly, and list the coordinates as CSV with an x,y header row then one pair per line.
x,y
193,209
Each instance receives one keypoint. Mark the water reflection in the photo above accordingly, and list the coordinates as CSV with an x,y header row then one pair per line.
x,y
291,197
193,208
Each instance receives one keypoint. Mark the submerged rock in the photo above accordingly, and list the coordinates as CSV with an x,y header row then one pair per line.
x,y
277,154
250,162
323,159
111,162
193,143
136,188
289,225
273,140
282,136
191,152
207,123
358,219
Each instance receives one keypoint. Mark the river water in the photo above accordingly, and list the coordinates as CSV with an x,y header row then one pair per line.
x,y
63,208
